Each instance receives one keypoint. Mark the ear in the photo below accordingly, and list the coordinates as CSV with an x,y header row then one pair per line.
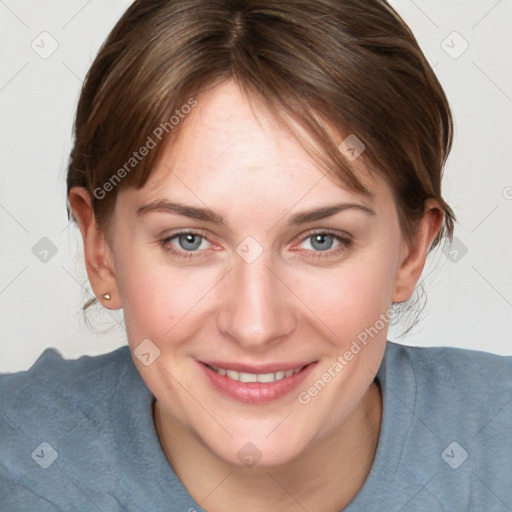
x,y
413,257
99,259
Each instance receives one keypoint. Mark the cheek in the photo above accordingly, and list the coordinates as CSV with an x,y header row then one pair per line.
x,y
350,298
156,297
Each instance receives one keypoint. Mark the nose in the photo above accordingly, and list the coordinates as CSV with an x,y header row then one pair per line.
x,y
257,309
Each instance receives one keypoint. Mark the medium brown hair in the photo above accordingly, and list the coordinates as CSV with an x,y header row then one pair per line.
x,y
352,65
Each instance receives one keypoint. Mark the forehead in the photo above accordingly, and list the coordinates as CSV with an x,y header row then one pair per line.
x,y
231,144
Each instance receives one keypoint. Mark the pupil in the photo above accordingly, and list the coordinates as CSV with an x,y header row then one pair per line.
x,y
189,242
322,242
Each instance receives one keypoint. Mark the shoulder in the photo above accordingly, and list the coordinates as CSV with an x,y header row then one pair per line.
x,y
463,372
52,377
79,435
50,365
58,425
53,397
455,386
451,410
56,389
459,360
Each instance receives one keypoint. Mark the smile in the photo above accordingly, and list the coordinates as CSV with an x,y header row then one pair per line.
x,y
255,384
255,377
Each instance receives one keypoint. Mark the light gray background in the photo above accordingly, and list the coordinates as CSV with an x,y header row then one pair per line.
x,y
469,293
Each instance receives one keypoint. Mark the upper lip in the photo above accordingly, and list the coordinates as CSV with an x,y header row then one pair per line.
x,y
257,368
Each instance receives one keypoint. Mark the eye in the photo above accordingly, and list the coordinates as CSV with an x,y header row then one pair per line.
x,y
189,244
325,242
186,244
321,241
189,241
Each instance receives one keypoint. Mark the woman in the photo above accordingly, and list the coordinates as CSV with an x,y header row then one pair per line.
x,y
257,184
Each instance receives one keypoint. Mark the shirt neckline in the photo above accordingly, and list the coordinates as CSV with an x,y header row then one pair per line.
x,y
394,376
147,455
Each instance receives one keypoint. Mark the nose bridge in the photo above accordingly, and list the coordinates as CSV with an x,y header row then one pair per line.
x,y
256,310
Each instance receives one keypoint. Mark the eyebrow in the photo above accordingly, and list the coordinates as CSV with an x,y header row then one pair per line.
x,y
207,215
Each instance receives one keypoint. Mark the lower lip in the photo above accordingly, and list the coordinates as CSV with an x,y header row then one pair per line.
x,y
256,392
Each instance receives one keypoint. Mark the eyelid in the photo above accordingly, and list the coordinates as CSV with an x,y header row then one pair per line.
x,y
318,231
328,231
190,231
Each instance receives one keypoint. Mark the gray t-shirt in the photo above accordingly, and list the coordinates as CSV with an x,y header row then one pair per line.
x,y
78,435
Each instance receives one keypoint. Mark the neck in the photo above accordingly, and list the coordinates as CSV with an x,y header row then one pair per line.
x,y
325,477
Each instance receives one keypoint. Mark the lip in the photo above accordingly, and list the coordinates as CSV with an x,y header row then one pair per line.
x,y
255,392
257,368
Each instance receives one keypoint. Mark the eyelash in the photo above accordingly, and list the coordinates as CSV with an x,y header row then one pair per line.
x,y
345,243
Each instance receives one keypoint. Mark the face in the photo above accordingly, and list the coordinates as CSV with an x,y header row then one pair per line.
x,y
217,263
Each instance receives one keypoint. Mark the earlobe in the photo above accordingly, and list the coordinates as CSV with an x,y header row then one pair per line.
x,y
413,257
98,256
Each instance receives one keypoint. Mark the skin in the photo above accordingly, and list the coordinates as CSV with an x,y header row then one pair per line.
x,y
295,302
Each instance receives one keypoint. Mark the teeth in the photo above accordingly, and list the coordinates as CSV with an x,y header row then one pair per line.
x,y
266,377
255,377
248,377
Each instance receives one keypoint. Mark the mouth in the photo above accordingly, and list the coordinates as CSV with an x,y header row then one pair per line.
x,y
260,385
256,377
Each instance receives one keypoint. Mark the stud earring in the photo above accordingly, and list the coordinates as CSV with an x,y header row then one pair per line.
x,y
106,296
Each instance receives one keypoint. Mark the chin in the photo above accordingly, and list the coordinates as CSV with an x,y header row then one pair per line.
x,y
258,451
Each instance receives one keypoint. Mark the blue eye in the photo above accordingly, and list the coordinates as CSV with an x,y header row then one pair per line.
x,y
189,241
185,245
326,242
189,244
321,241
